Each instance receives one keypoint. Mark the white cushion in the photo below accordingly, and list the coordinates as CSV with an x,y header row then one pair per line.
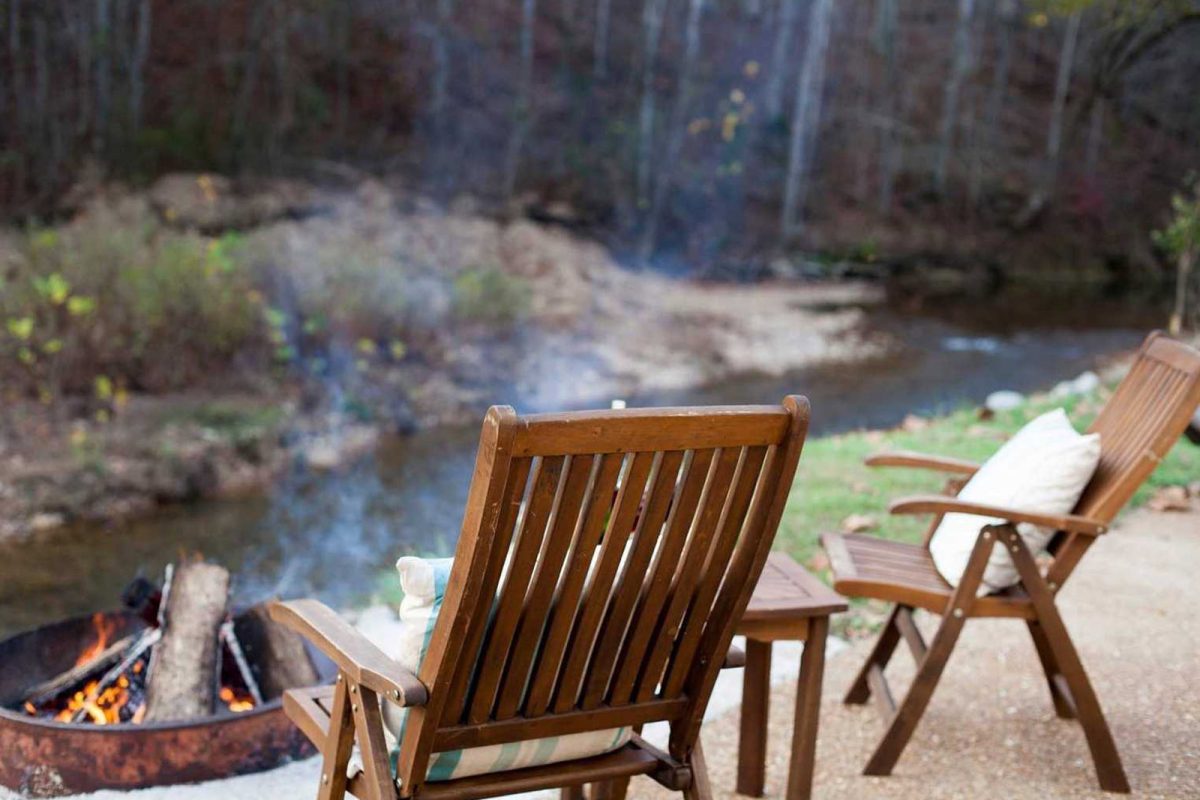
x,y
424,583
1044,468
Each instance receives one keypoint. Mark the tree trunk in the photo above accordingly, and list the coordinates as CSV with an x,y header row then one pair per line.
x,y
652,23
103,76
806,116
1183,271
959,68
137,71
600,40
676,129
523,110
1095,138
1062,85
185,666
887,25
779,56
441,66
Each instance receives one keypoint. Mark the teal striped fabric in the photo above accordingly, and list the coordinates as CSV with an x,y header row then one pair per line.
x,y
424,584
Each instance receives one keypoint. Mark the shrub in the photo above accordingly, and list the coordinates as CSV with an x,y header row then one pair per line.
x,y
120,297
490,296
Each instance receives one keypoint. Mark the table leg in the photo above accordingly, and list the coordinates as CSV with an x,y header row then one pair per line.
x,y
808,707
756,699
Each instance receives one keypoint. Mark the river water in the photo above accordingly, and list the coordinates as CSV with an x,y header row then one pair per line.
x,y
334,535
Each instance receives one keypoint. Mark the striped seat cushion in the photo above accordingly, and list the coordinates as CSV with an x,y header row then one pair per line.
x,y
424,584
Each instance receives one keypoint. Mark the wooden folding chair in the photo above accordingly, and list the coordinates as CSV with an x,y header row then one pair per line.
x,y
633,540
1139,424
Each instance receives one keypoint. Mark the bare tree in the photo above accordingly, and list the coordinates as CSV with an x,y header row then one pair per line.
x,y
806,116
653,12
676,128
600,39
786,24
137,66
523,109
959,67
887,24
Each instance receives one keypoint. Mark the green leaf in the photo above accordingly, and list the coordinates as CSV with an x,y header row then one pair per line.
x,y
80,306
21,327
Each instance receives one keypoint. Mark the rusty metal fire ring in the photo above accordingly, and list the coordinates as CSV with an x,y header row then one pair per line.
x,y
46,758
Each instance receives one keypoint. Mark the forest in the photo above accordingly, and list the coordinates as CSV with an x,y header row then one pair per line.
x,y
695,136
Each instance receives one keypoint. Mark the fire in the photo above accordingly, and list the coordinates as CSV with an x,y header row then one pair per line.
x,y
100,707
104,630
236,701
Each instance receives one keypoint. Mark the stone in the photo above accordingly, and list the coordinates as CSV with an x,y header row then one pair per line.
x,y
1003,400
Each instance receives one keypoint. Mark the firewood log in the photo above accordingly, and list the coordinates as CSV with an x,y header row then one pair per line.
x,y
185,665
277,656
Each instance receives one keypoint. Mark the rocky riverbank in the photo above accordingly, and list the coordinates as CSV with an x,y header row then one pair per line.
x,y
490,311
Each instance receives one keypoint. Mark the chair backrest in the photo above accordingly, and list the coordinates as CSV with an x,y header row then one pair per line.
x,y
604,561
1139,424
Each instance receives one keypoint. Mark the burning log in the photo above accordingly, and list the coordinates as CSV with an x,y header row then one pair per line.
x,y
83,669
278,658
185,665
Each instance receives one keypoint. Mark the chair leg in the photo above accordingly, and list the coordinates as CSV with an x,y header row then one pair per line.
x,y
1109,770
377,767
572,792
339,742
700,788
929,670
808,707
910,710
1062,705
860,691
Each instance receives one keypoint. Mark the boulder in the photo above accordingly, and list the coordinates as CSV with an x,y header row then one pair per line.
x,y
1004,400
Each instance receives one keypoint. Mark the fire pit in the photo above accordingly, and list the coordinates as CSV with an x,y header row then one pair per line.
x,y
73,706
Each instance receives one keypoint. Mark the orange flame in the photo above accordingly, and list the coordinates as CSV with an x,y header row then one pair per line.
x,y
104,630
101,707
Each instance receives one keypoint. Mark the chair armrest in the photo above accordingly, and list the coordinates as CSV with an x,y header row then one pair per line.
x,y
356,657
941,504
906,458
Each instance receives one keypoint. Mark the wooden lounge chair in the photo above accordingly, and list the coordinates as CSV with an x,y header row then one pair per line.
x,y
634,539
1139,424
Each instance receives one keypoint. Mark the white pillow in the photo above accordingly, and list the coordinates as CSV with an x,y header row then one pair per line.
x,y
424,583
1044,468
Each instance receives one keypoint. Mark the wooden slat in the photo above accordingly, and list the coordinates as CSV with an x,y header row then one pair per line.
x,y
566,604
513,494
622,520
536,610
595,719
658,429
687,578
729,528
658,581
516,585
612,630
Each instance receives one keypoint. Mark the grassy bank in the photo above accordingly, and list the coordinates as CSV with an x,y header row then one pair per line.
x,y
832,483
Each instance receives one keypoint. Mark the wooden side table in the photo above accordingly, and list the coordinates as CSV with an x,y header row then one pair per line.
x,y
788,604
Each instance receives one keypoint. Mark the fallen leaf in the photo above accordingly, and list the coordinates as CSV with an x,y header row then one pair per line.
x,y
857,523
1170,498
